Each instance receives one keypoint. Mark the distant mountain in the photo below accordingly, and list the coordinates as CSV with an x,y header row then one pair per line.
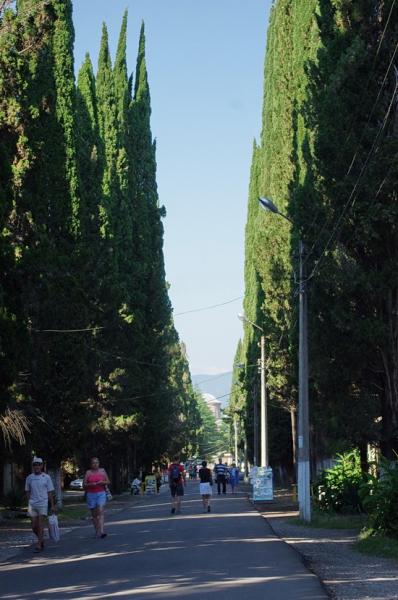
x,y
217,385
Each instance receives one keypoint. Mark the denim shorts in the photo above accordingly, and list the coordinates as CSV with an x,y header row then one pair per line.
x,y
95,499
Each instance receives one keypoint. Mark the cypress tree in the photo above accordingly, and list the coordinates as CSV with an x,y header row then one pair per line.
x,y
319,56
108,132
122,93
48,270
153,305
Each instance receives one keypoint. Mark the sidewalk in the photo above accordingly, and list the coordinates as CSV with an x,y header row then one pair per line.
x,y
346,574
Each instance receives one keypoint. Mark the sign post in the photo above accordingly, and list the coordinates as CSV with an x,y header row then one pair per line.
x,y
262,484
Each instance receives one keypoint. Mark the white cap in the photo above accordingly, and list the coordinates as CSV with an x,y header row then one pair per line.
x,y
37,460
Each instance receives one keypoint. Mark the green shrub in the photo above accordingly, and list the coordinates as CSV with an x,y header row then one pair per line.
x,y
337,488
14,499
380,499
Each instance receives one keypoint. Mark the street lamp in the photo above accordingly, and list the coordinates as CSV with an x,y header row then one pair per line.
x,y
263,409
304,494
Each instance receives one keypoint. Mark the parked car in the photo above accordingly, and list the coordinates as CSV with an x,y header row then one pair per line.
x,y
76,484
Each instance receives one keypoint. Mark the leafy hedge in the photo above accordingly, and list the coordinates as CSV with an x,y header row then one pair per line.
x,y
379,496
337,488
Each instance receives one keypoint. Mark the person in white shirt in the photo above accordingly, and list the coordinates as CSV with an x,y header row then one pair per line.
x,y
40,491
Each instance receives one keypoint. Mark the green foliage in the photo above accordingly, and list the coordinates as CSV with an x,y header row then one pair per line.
x,y
326,58
211,440
374,544
91,361
379,497
338,488
14,500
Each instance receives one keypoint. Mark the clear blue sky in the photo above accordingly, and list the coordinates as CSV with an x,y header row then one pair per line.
x,y
205,61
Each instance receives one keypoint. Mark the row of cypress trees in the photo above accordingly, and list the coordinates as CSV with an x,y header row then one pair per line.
x,y
90,358
328,158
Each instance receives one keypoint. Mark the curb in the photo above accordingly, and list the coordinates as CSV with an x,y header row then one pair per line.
x,y
306,562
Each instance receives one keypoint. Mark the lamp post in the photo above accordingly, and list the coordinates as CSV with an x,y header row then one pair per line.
x,y
263,410
303,442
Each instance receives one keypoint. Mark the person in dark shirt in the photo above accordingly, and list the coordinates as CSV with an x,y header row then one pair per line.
x,y
220,471
206,481
176,483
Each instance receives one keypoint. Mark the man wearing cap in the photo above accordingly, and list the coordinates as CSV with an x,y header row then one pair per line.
x,y
40,491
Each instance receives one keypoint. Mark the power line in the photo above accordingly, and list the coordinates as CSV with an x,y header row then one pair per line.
x,y
362,135
372,209
66,330
213,378
97,328
373,109
186,312
353,195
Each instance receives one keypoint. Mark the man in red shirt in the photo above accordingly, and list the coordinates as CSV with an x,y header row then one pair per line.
x,y
176,483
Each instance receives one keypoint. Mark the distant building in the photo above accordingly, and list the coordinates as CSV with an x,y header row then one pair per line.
x,y
214,406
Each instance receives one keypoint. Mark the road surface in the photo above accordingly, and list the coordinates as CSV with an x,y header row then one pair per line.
x,y
150,554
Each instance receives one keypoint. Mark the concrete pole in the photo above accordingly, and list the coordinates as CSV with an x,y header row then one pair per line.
x,y
236,437
264,419
303,449
255,429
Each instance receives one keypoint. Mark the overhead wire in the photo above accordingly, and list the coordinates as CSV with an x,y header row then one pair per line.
x,y
104,327
353,195
67,330
325,224
187,312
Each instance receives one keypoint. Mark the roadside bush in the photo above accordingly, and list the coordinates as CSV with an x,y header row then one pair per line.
x,y
14,500
337,488
379,497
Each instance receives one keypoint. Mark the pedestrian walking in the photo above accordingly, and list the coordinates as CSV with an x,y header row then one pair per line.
x,y
95,483
158,476
40,492
176,483
234,477
205,486
220,471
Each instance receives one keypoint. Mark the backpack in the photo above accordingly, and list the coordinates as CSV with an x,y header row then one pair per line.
x,y
175,473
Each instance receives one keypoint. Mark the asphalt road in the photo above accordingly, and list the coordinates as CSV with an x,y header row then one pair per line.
x,y
150,554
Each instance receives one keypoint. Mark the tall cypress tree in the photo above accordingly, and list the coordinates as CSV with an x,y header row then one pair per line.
x,y
48,271
121,81
153,305
319,56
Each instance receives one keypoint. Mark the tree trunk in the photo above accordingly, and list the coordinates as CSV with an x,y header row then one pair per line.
x,y
389,358
55,475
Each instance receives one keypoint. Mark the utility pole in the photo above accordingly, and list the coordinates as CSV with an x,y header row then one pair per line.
x,y
304,484
264,419
236,437
255,428
303,445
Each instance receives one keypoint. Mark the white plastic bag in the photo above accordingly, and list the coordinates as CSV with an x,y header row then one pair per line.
x,y
53,528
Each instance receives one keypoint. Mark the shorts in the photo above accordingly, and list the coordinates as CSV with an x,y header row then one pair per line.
x,y
95,499
176,489
36,509
205,489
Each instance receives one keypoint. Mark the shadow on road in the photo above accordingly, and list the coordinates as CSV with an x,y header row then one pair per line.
x,y
151,554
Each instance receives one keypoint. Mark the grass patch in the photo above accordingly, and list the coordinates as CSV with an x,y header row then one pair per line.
x,y
332,521
73,513
377,545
